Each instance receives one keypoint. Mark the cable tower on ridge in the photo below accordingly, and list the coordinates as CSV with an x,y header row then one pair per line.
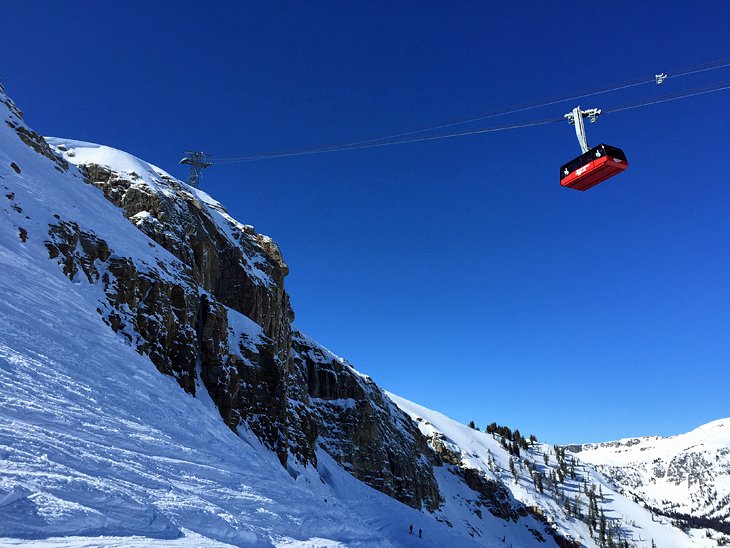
x,y
197,161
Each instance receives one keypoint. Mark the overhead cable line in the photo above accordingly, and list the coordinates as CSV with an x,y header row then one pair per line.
x,y
355,146
385,140
672,97
714,65
361,145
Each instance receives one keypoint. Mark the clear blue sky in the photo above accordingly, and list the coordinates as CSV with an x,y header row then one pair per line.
x,y
457,273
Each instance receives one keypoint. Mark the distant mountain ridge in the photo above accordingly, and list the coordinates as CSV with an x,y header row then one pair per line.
x,y
684,477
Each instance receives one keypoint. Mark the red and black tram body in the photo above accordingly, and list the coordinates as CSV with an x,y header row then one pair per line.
x,y
595,166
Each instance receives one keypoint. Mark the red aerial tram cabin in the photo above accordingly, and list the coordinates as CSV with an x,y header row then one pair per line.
x,y
595,166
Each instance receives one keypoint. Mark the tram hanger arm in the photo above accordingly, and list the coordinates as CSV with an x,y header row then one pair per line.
x,y
575,117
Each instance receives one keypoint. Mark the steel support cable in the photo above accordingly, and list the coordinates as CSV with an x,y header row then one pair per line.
x,y
512,110
701,68
357,146
481,117
485,116
562,99
663,99
672,97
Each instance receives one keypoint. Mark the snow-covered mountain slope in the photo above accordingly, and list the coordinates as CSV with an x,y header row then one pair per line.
x,y
153,389
95,441
685,477
466,449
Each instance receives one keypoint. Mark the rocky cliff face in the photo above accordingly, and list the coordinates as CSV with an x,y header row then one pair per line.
x,y
363,430
291,392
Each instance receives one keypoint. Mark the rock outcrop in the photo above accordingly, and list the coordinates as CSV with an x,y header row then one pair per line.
x,y
292,393
362,428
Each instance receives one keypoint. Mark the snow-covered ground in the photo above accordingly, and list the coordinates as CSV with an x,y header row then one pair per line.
x,y
481,451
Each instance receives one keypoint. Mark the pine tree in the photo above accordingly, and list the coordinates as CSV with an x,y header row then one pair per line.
x,y
523,444
512,468
563,468
472,425
546,458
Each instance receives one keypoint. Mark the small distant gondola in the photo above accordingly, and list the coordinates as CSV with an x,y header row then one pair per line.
x,y
595,166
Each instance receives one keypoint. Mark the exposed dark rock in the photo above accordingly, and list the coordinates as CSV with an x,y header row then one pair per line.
x,y
161,312
156,310
289,391
76,250
240,270
538,513
492,495
226,269
37,143
363,430
441,447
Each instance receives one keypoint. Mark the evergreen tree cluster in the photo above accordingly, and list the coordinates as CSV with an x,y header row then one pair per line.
x,y
564,469
512,441
607,533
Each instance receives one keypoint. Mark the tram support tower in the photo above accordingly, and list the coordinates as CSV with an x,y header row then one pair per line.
x,y
197,161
